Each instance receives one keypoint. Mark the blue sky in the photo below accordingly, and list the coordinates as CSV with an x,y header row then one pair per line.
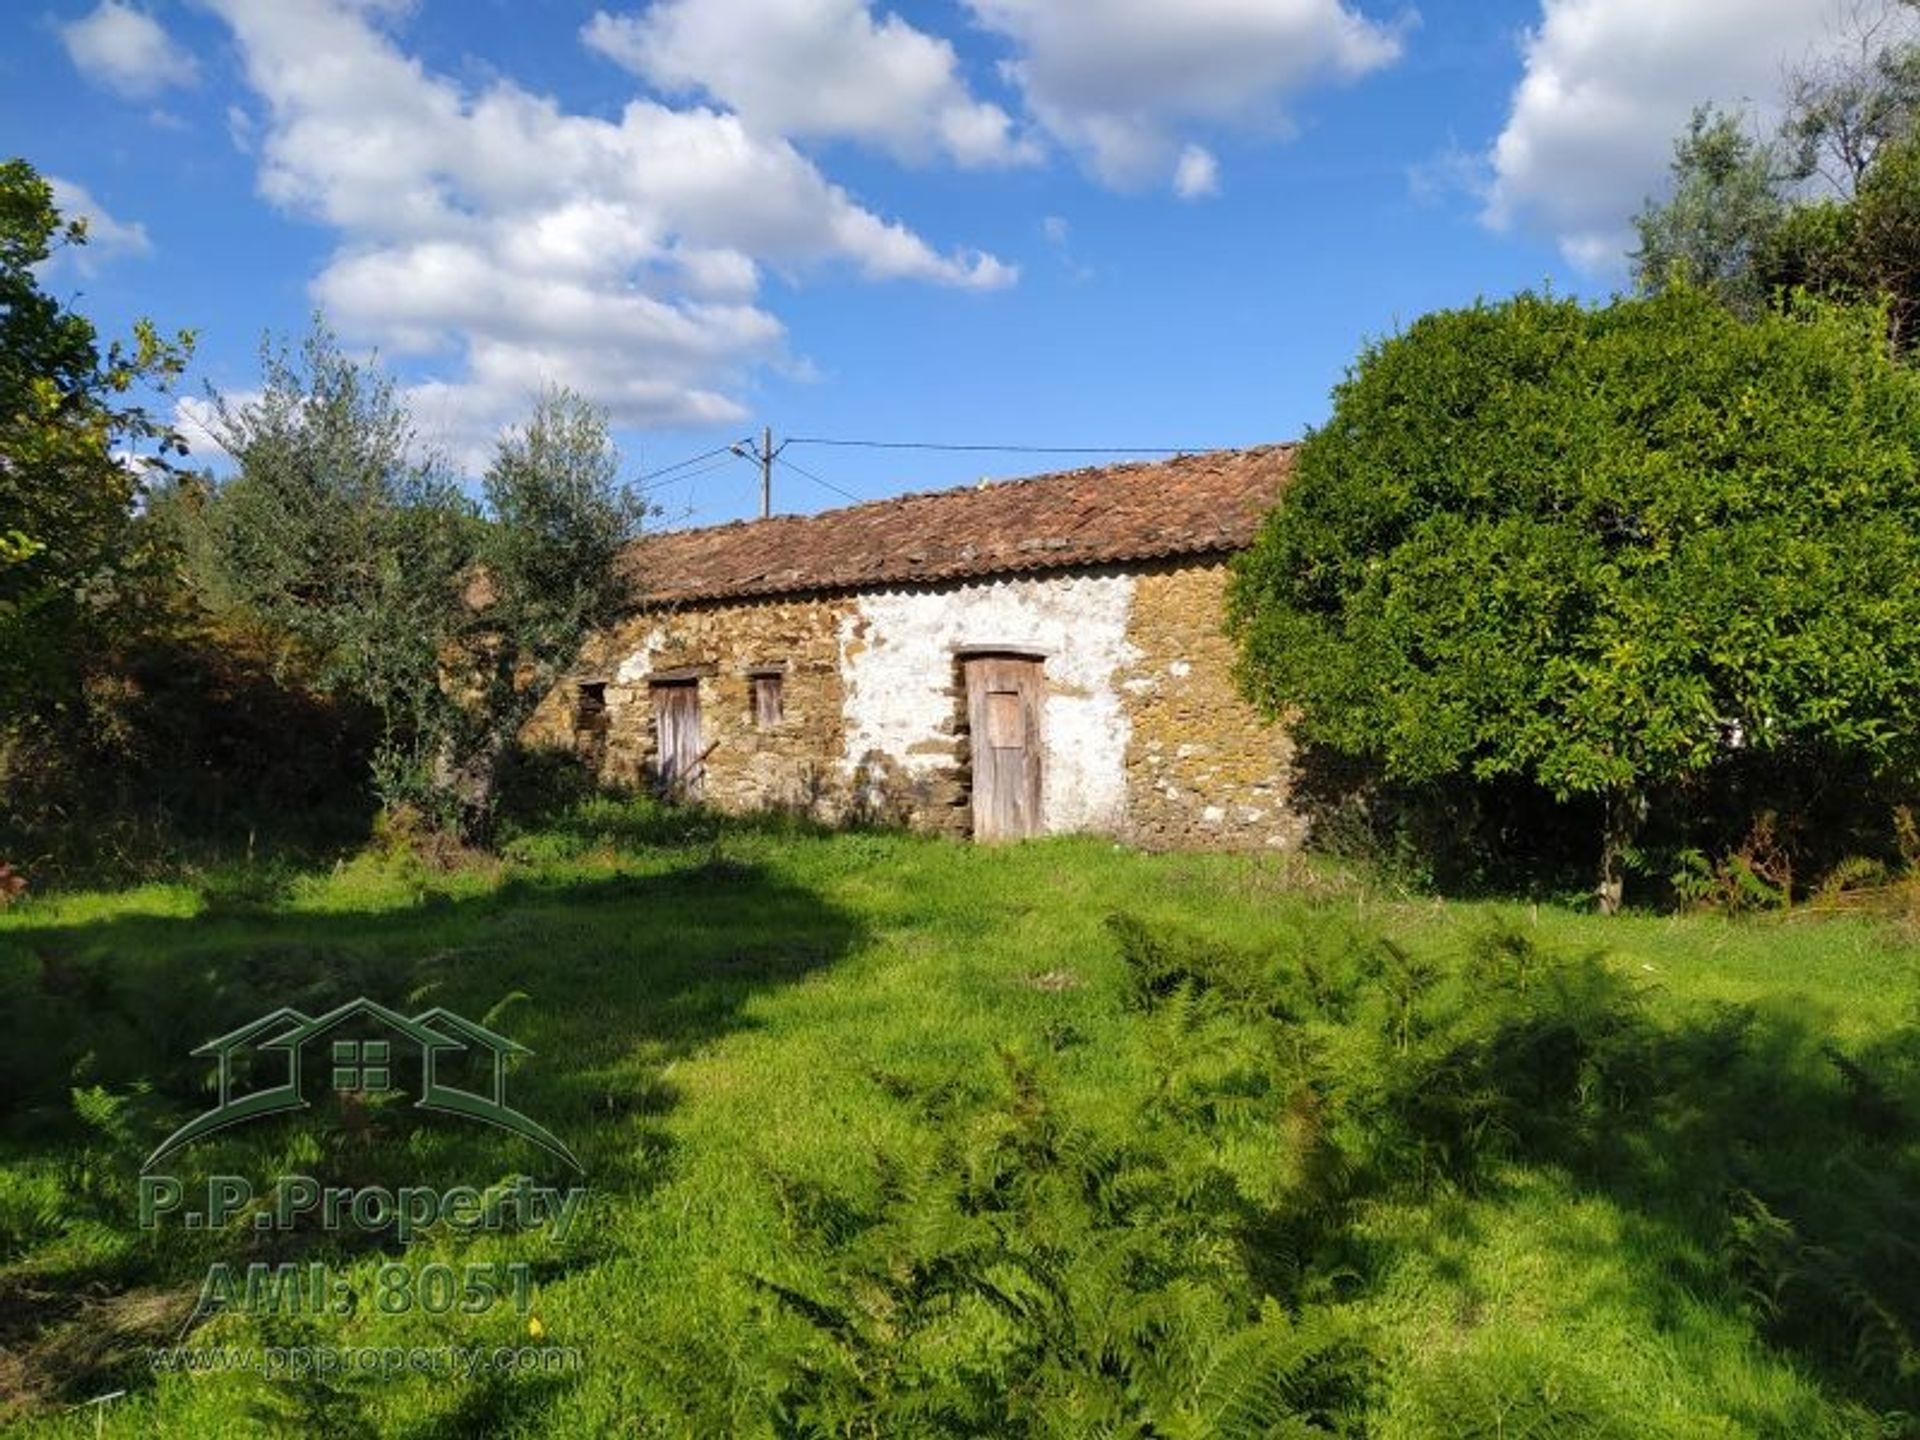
x,y
1050,222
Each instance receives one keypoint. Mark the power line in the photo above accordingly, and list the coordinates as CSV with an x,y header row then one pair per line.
x,y
692,460
683,474
997,449
720,464
763,454
802,470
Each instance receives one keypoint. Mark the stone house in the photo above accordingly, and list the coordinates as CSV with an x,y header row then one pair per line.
x,y
1030,657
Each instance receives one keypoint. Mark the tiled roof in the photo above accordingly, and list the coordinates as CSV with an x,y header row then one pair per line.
x,y
1197,504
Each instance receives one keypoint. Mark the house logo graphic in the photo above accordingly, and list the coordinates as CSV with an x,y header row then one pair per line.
x,y
362,1066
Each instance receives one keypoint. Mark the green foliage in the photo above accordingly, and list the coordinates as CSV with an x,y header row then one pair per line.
x,y
1519,1390
1272,1160
1027,1274
1740,219
339,535
1727,200
1864,249
71,566
561,518
550,561
343,536
1598,550
202,737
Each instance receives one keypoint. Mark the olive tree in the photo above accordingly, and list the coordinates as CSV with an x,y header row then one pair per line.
x,y
1598,549
1830,205
547,575
344,536
447,618
1727,202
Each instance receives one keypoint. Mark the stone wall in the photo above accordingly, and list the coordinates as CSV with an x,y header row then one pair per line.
x,y
793,764
1144,735
1203,769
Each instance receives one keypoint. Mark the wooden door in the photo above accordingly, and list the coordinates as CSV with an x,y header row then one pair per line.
x,y
676,726
1003,712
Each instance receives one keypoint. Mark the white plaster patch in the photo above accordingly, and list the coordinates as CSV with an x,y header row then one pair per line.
x,y
897,655
639,665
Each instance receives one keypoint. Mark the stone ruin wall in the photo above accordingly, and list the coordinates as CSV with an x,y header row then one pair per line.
x,y
1146,738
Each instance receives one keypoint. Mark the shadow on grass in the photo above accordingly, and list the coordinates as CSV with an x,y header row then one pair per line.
x,y
626,822
607,980
1747,1160
1753,1163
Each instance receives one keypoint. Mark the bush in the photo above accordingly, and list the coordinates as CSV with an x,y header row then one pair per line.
x,y
1602,552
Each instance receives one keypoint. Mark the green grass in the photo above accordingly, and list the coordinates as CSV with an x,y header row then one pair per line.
x,y
891,1136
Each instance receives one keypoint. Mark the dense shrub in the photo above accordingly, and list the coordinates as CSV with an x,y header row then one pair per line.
x,y
1599,551
195,746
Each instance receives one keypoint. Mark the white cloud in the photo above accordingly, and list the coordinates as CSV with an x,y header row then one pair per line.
x,y
1196,175
815,69
1058,232
1452,170
198,421
1607,86
620,256
108,239
127,51
1118,81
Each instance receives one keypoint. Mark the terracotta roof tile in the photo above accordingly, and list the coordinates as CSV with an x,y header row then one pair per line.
x,y
1197,504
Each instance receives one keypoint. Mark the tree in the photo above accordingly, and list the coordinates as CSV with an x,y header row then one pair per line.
x,y
68,487
1728,199
449,622
1844,107
343,536
1740,219
1599,550
1862,250
547,577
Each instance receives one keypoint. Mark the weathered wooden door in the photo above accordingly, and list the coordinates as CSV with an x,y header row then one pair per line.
x,y
1003,712
676,726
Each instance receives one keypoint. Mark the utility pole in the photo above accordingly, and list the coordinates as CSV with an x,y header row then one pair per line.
x,y
765,454
766,473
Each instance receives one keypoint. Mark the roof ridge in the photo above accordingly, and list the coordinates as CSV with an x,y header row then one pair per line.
x,y
1206,502
984,484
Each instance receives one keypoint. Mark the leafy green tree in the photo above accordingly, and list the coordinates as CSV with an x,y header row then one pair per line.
x,y
1741,219
449,621
1728,199
343,536
1865,249
1599,550
72,452
1863,94
548,575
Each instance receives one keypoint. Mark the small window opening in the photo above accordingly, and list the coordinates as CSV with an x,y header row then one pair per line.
x,y
769,707
590,706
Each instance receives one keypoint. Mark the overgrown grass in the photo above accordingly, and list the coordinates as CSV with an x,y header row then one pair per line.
x,y
896,1137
